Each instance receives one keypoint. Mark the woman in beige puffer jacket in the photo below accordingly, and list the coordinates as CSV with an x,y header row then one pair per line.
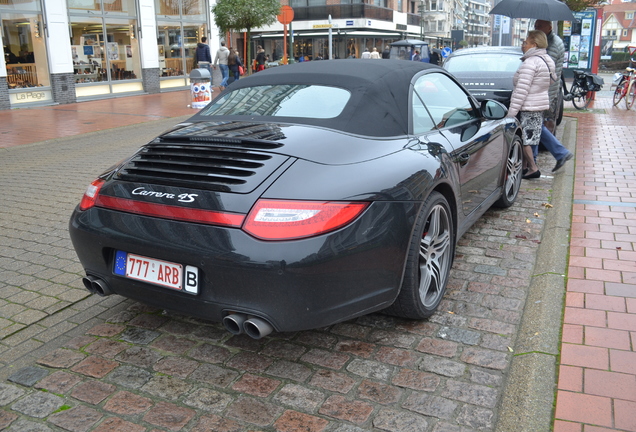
x,y
530,95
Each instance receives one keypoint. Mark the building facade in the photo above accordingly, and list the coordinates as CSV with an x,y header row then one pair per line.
x,y
478,22
64,51
619,27
355,26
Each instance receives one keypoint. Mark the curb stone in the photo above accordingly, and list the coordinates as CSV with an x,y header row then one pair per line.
x,y
529,393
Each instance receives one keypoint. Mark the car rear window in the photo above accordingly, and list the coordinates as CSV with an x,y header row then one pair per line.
x,y
289,100
483,63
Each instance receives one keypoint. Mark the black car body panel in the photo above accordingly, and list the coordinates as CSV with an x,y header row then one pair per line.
x,y
486,72
295,285
225,165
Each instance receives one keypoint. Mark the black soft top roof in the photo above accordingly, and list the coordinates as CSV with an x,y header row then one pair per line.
x,y
379,92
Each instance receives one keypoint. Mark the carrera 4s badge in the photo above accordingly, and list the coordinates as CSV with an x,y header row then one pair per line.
x,y
184,197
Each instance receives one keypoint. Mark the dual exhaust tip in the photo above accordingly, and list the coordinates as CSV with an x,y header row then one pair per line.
x,y
252,326
236,323
96,286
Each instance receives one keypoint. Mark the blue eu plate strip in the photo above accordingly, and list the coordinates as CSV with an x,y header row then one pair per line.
x,y
120,263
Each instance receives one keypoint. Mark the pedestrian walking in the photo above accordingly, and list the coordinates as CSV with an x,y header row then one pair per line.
x,y
260,58
386,54
202,56
235,64
556,50
366,54
530,95
221,59
375,55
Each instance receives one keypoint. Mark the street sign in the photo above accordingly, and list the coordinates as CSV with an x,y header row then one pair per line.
x,y
286,15
632,50
446,52
317,26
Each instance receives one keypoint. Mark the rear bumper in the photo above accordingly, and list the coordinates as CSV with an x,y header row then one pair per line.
x,y
295,285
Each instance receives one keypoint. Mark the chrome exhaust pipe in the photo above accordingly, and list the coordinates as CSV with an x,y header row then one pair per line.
x,y
234,323
257,328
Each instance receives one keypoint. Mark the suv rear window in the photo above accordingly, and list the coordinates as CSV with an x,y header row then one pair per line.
x,y
289,100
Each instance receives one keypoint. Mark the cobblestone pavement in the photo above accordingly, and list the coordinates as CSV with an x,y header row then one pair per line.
x,y
76,362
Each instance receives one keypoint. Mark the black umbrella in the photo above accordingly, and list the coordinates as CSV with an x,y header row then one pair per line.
x,y
547,10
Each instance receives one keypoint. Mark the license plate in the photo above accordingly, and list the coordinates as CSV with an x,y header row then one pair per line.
x,y
157,272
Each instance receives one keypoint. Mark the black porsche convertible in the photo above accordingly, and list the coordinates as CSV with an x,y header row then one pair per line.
x,y
302,196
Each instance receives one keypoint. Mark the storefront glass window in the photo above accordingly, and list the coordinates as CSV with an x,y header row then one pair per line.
x,y
22,5
168,8
170,52
180,25
127,7
87,44
179,8
122,50
24,51
104,49
176,48
193,34
84,4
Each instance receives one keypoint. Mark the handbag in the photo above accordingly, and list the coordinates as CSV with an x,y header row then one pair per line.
x,y
203,64
241,70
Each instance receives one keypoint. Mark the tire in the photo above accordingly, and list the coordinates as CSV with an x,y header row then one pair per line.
x,y
512,179
429,261
630,96
618,93
582,97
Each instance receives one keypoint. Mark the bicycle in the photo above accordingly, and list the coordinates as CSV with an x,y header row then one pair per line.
x,y
625,87
583,86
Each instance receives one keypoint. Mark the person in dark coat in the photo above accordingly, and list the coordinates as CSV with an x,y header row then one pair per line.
x,y
386,53
202,54
233,62
260,59
434,57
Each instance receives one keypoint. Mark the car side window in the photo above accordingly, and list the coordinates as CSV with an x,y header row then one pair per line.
x,y
443,99
422,121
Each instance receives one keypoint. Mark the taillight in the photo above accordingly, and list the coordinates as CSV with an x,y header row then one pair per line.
x,y
88,200
285,220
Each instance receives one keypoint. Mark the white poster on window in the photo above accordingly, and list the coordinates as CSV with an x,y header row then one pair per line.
x,y
113,51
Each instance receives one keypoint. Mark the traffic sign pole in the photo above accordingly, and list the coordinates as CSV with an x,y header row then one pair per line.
x,y
286,16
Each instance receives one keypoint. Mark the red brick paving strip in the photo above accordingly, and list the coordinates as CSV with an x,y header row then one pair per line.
x,y
597,377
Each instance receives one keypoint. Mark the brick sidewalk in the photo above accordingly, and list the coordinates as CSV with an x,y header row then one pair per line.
x,y
597,376
30,125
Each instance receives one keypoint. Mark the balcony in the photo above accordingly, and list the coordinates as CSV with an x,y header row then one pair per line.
x,y
343,11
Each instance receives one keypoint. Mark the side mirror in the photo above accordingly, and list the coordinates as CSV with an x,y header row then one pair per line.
x,y
493,110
